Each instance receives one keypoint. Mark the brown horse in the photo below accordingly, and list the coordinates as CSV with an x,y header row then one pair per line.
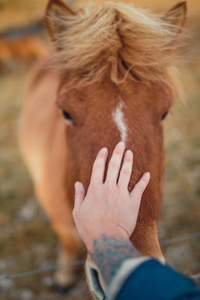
x,y
108,79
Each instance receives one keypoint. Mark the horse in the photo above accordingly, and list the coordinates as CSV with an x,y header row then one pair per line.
x,y
108,77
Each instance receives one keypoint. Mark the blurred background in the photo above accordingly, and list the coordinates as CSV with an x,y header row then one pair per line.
x,y
26,239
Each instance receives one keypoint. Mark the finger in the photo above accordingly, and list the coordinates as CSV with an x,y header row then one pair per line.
x,y
126,170
115,163
99,167
80,193
140,187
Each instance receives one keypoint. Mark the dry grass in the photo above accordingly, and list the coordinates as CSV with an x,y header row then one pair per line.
x,y
20,12
14,13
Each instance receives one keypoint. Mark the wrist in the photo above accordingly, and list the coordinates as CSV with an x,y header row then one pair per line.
x,y
112,234
109,253
102,238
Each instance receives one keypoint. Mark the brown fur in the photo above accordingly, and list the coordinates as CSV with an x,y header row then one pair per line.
x,y
59,152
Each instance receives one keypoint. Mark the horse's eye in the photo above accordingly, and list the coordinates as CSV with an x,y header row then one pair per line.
x,y
164,116
67,116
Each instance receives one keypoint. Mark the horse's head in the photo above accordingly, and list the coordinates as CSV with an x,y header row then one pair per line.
x,y
116,85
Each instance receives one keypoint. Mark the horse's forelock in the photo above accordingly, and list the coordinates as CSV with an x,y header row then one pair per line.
x,y
114,40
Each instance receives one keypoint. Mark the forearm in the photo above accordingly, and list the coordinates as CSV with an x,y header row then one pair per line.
x,y
126,272
109,254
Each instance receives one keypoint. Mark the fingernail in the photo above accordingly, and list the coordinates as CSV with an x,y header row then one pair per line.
x,y
77,185
104,150
147,175
129,153
120,145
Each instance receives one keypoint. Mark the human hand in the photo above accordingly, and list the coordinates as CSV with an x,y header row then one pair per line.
x,y
108,208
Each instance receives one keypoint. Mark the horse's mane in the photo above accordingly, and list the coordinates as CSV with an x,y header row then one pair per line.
x,y
114,40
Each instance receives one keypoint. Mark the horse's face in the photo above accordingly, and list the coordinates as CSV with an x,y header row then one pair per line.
x,y
101,115
115,42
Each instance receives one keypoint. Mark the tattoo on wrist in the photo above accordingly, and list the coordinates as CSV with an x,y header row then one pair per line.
x,y
109,253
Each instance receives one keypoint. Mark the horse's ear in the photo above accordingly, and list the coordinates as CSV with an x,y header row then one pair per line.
x,y
176,17
56,12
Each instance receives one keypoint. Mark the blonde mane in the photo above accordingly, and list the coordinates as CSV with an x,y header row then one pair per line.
x,y
115,41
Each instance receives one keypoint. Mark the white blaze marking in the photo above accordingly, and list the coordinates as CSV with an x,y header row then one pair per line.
x,y
119,120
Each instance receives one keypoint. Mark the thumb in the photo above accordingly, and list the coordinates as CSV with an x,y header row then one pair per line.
x,y
80,193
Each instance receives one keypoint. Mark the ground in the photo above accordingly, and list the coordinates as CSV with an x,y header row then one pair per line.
x,y
26,239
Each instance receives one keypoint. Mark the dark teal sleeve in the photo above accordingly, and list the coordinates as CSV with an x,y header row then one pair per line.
x,y
154,281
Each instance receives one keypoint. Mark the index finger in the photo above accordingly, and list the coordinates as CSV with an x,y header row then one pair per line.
x,y
99,167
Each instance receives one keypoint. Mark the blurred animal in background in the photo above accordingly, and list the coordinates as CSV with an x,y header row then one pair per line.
x,y
108,79
19,47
